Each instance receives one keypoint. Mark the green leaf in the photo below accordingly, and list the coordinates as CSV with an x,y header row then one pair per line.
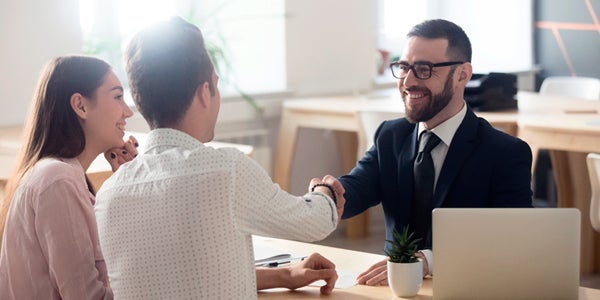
x,y
403,246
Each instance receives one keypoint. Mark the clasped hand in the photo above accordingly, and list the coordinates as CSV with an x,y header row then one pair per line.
x,y
337,187
120,155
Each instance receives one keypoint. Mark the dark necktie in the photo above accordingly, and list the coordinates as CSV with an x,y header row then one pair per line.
x,y
424,177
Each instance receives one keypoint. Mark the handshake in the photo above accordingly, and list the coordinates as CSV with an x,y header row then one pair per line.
x,y
331,187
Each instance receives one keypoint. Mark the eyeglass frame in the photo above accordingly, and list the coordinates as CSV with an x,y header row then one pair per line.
x,y
429,64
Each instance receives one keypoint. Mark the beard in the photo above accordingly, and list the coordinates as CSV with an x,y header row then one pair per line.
x,y
435,103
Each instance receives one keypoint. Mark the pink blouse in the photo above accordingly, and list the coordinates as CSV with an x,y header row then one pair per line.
x,y
50,246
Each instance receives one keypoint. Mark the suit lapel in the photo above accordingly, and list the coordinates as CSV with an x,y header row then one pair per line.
x,y
405,164
463,143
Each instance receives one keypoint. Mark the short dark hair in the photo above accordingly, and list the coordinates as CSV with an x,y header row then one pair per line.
x,y
165,63
459,45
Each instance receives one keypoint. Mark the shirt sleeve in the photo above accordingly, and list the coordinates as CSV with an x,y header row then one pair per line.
x,y
66,227
429,257
261,207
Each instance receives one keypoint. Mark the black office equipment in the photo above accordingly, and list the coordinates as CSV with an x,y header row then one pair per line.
x,y
493,91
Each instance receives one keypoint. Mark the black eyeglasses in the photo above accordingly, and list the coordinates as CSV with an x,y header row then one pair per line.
x,y
421,70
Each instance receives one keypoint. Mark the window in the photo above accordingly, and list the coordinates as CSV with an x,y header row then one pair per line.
x,y
501,32
397,17
251,33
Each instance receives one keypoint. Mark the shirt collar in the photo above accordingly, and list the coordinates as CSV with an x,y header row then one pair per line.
x,y
446,130
171,138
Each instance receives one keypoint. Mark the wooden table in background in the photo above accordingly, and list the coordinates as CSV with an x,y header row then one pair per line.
x,y
333,113
569,137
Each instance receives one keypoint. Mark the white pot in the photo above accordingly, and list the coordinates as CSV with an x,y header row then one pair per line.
x,y
405,280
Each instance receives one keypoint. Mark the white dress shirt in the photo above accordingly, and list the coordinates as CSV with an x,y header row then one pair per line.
x,y
176,222
445,131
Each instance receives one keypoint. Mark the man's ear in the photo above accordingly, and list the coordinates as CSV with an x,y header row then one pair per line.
x,y
203,94
465,73
78,105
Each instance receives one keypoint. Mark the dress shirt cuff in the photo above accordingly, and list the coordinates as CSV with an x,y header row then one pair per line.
x,y
332,205
428,254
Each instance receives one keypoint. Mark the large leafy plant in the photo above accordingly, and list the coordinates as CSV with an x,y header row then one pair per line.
x,y
403,247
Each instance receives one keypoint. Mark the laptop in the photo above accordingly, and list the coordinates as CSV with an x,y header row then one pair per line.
x,y
506,253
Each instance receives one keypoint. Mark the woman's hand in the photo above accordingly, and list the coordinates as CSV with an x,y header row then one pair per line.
x,y
118,156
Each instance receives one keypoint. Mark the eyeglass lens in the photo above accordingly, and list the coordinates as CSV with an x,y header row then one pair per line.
x,y
421,71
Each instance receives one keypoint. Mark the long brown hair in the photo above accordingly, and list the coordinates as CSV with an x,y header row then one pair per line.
x,y
53,128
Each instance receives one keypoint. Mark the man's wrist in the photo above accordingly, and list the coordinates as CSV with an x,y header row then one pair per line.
x,y
267,278
329,190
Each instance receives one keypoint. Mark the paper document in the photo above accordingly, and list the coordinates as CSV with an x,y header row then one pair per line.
x,y
346,279
263,254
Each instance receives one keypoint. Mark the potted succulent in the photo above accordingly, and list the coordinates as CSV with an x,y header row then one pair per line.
x,y
405,271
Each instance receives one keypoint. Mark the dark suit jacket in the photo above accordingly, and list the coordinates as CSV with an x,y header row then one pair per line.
x,y
484,167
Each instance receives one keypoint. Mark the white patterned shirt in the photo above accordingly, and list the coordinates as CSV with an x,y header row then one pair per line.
x,y
176,222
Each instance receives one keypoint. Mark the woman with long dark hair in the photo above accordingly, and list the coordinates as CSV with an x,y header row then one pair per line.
x,y
50,247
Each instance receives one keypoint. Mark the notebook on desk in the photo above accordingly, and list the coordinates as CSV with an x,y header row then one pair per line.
x,y
498,253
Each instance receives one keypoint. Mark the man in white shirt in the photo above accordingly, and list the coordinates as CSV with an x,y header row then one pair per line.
x,y
176,222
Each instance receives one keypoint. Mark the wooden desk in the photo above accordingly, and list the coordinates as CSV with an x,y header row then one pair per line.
x,y
355,261
99,170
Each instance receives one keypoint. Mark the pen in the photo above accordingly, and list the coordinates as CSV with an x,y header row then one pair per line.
x,y
285,261
260,262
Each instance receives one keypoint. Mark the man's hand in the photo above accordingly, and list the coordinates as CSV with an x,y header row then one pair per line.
x,y
118,156
337,187
374,275
315,267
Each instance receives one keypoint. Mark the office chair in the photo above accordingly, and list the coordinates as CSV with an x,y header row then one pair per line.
x,y
593,164
577,87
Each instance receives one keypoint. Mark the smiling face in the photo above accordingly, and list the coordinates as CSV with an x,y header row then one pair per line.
x,y
427,100
103,116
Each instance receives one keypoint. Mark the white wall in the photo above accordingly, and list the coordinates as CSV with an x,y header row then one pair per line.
x,y
31,32
330,45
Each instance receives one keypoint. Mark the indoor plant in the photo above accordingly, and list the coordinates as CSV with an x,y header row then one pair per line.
x,y
405,271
